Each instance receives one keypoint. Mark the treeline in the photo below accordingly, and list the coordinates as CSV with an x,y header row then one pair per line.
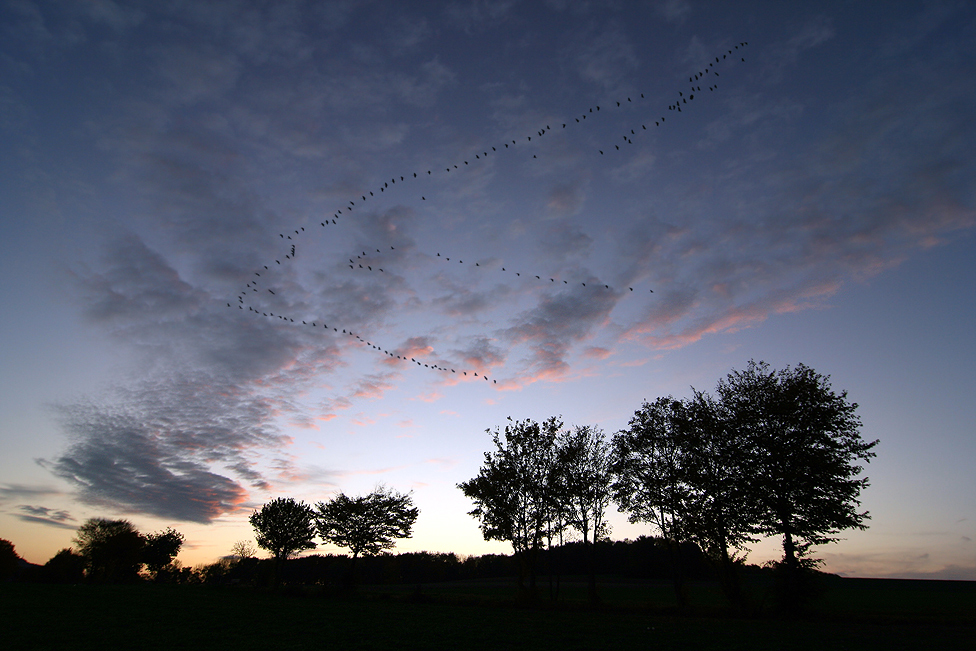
x,y
645,558
108,551
772,453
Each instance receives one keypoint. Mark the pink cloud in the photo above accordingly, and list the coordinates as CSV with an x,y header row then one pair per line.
x,y
597,352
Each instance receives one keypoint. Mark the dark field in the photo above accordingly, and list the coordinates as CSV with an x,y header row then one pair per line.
x,y
853,614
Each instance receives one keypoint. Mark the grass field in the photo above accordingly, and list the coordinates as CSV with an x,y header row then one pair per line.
x,y
853,614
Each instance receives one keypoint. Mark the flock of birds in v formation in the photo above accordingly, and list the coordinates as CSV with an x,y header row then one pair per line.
x,y
361,260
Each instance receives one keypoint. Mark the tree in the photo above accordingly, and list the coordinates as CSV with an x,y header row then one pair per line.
x,y
804,444
161,548
112,549
721,512
583,462
284,526
65,567
9,560
243,549
366,524
649,476
514,491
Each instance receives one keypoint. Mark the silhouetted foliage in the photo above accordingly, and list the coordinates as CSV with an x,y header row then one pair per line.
x,y
367,524
112,550
161,548
284,526
514,491
650,483
584,478
721,511
65,567
804,444
9,560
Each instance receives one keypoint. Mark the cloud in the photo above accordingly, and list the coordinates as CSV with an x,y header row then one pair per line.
x,y
608,58
155,451
10,492
848,209
59,515
557,323
43,515
478,15
784,54
674,11
565,199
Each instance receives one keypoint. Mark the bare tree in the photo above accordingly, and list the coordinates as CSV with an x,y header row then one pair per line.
x,y
243,549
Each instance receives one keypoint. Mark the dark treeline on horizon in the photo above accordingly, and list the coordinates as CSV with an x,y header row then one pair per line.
x,y
646,558
773,453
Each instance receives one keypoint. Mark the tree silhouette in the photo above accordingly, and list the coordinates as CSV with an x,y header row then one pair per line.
x,y
584,478
722,513
514,491
804,444
650,483
283,526
9,560
366,524
243,549
161,548
112,549
65,567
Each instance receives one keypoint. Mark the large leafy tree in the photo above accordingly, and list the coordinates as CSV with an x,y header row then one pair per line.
x,y
584,478
804,447
366,524
161,548
721,511
112,549
284,526
650,483
515,492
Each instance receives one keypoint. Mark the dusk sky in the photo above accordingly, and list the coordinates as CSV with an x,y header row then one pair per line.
x,y
812,201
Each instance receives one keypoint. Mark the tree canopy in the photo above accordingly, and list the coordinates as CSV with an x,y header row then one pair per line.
x,y
512,491
161,548
112,549
366,524
804,442
284,526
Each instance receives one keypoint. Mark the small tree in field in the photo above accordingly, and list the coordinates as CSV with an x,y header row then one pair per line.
x,y
284,526
243,549
366,524
650,481
161,548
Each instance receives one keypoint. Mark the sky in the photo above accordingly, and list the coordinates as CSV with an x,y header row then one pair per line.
x,y
572,245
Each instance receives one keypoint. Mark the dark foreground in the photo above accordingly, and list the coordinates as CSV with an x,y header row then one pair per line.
x,y
854,614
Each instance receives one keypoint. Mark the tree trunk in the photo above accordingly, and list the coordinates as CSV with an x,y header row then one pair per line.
x,y
678,574
730,580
